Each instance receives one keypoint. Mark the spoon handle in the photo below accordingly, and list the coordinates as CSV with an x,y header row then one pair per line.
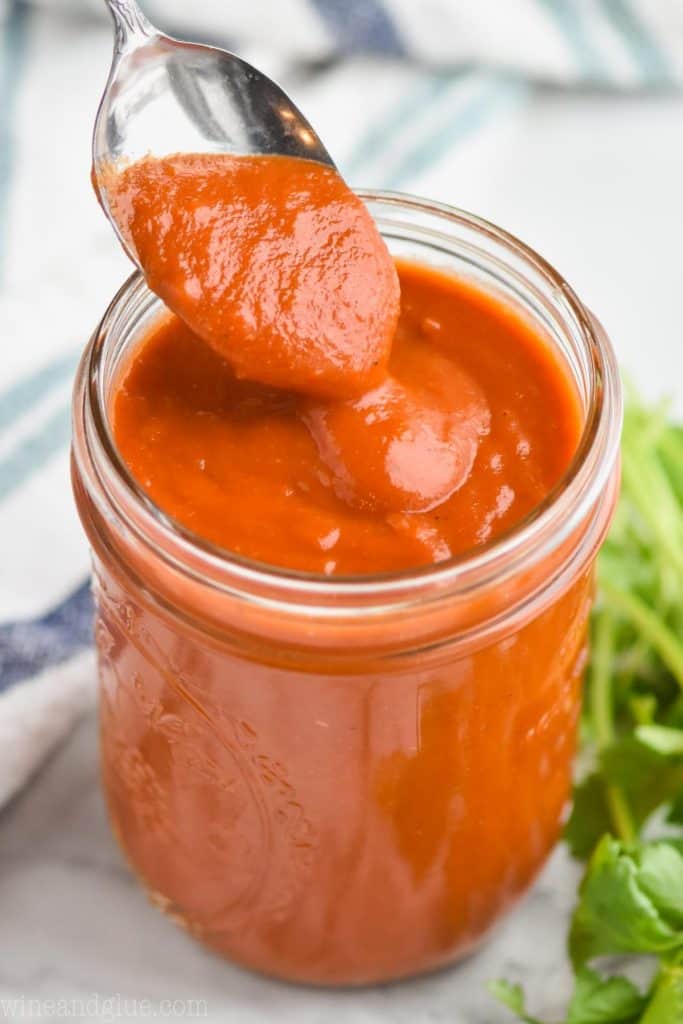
x,y
130,24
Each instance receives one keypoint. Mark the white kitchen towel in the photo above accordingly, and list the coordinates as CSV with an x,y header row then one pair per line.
x,y
442,97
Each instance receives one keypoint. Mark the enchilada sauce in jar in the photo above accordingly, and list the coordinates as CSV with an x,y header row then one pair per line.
x,y
340,634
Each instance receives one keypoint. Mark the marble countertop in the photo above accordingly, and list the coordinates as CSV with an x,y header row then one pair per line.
x,y
75,926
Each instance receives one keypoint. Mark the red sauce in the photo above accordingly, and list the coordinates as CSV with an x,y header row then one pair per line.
x,y
473,427
333,817
272,261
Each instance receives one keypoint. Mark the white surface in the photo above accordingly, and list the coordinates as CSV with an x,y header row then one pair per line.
x,y
594,182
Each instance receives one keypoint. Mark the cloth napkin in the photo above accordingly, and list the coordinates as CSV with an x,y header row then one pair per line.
x,y
404,92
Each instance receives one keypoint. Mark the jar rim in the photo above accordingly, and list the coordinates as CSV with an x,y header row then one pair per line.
x,y
542,531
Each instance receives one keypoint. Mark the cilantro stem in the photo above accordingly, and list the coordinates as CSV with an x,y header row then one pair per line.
x,y
620,813
670,444
651,493
649,625
601,690
602,712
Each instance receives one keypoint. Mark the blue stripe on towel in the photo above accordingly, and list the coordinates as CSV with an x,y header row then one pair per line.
x,y
12,48
567,17
490,99
34,451
646,52
25,393
29,647
361,25
397,121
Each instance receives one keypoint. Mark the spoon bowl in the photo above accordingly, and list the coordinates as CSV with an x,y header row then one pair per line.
x,y
165,96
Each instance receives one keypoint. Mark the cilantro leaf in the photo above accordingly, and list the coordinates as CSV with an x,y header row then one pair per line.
x,y
590,816
596,1000
647,767
512,996
600,1000
660,876
621,907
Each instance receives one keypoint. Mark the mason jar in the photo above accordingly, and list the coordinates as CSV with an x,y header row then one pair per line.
x,y
346,780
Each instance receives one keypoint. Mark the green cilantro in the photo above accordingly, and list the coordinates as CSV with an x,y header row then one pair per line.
x,y
630,901
600,1000
596,1000
512,996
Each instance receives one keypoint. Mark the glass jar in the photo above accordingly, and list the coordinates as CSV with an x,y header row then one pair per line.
x,y
346,780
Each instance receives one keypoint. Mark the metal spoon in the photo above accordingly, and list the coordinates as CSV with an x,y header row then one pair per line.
x,y
164,96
